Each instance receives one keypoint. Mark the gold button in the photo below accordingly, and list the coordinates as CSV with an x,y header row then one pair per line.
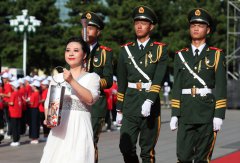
x,y
195,68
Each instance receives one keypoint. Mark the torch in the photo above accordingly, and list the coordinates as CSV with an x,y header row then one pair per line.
x,y
84,23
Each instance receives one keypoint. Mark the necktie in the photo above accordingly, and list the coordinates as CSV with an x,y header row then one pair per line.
x,y
141,47
196,53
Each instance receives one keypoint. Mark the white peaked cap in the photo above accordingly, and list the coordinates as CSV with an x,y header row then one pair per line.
x,y
6,75
45,82
28,78
21,80
13,78
35,83
15,84
49,78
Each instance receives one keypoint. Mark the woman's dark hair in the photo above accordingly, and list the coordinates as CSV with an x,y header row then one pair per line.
x,y
85,46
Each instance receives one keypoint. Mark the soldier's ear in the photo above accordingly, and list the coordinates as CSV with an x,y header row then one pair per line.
x,y
152,27
98,32
208,30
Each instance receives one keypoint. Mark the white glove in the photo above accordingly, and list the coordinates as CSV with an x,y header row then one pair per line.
x,y
119,118
217,123
146,108
173,123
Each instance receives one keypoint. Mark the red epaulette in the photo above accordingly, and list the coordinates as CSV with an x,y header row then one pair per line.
x,y
214,48
129,43
159,43
105,48
184,49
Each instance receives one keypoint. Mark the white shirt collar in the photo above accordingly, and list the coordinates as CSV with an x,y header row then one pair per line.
x,y
200,48
143,43
92,46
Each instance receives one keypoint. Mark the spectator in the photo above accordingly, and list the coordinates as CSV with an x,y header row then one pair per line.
x,y
34,123
15,113
44,88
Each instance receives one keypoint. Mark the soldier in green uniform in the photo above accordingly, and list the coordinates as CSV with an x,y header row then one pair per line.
x,y
100,62
141,68
197,112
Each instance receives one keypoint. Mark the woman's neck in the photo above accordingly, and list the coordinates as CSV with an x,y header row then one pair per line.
x,y
77,71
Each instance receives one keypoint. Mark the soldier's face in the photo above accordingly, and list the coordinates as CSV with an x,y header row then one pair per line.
x,y
92,34
74,54
199,31
142,28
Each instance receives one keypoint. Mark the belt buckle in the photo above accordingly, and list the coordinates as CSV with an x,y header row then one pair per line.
x,y
139,86
193,91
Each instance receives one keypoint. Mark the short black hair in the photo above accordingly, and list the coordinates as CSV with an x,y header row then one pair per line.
x,y
84,44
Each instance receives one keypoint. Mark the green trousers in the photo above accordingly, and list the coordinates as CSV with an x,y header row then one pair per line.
x,y
195,142
147,129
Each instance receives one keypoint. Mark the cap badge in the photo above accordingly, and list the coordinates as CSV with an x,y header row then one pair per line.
x,y
95,59
141,10
88,16
197,12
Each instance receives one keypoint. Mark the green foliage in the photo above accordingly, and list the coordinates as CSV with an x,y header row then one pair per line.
x,y
46,46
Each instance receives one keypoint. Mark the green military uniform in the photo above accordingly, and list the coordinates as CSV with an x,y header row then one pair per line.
x,y
195,112
100,62
153,61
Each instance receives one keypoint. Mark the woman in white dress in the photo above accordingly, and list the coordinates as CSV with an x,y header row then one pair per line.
x,y
72,140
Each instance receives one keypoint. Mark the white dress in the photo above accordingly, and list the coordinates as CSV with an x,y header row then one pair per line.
x,y
72,140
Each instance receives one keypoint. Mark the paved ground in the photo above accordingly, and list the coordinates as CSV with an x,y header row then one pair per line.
x,y
228,141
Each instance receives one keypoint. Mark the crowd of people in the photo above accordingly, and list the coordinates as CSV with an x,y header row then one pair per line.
x,y
21,107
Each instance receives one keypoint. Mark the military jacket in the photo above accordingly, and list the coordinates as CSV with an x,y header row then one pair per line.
x,y
210,66
153,61
100,62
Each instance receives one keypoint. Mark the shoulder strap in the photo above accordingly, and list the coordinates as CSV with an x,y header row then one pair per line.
x,y
191,71
135,64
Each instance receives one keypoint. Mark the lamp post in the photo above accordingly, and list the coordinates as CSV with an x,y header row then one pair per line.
x,y
24,24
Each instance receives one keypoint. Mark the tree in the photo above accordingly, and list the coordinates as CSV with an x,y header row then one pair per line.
x,y
45,47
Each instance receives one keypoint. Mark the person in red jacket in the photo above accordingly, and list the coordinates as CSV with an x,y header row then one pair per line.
x,y
44,88
114,101
28,89
15,113
111,104
23,94
34,124
7,89
1,111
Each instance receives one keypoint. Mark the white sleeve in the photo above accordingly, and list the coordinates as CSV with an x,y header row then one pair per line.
x,y
93,85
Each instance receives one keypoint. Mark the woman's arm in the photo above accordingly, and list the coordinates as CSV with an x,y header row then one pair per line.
x,y
82,93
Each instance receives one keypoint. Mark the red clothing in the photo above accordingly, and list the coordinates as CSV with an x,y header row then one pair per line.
x,y
114,92
23,94
28,90
6,89
34,100
108,93
43,97
1,100
111,96
15,110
